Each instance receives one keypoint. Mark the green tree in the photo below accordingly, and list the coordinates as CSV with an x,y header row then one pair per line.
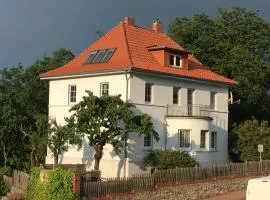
x,y
103,120
22,97
237,45
249,134
38,139
58,138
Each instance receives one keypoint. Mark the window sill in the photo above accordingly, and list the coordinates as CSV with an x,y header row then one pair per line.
x,y
147,148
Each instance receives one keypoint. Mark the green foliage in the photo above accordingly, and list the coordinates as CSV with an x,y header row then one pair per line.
x,y
4,189
35,188
58,186
169,159
248,135
58,137
106,120
23,96
237,45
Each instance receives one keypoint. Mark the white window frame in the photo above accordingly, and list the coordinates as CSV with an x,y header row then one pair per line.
x,y
213,104
174,60
102,89
205,139
211,140
179,139
70,93
149,138
178,95
151,92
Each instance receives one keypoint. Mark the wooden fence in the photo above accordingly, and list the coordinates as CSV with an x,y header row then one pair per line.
x,y
172,176
18,181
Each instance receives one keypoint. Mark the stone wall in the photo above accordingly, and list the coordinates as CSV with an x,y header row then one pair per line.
x,y
190,191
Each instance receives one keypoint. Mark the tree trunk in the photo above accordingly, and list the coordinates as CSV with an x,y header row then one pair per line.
x,y
33,157
98,156
55,159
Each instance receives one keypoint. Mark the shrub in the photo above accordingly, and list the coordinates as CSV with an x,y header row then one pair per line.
x,y
169,159
4,189
58,186
35,188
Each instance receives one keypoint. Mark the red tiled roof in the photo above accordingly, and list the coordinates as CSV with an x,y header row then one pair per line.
x,y
132,44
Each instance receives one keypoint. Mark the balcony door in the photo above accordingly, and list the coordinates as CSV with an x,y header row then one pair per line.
x,y
190,101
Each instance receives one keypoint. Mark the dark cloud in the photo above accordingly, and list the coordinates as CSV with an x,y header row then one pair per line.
x,y
31,28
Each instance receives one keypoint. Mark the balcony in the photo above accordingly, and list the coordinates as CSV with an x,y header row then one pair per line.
x,y
201,111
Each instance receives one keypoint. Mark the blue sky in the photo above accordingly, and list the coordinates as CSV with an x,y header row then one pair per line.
x,y
31,28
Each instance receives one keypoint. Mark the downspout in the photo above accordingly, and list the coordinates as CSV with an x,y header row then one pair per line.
x,y
126,136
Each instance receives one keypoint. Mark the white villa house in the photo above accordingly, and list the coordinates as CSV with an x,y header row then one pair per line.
x,y
187,102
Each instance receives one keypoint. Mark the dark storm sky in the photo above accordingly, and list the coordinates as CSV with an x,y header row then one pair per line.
x,y
31,28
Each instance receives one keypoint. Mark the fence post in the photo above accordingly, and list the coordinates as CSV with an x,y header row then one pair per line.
x,y
246,171
76,181
231,169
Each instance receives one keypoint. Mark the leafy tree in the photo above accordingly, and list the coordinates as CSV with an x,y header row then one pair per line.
x,y
169,159
249,134
106,120
38,139
58,138
22,97
237,45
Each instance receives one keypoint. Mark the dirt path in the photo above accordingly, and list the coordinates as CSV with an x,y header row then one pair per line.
x,y
238,195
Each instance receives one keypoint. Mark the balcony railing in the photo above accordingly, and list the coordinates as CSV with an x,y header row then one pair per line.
x,y
189,110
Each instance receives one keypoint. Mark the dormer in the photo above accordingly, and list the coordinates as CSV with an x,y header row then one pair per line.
x,y
170,57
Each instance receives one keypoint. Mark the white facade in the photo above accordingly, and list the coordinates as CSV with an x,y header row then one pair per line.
x,y
168,122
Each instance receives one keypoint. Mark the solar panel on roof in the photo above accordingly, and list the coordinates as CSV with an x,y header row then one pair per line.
x,y
91,57
99,56
107,56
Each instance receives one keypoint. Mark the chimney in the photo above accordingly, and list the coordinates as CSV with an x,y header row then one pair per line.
x,y
129,21
157,26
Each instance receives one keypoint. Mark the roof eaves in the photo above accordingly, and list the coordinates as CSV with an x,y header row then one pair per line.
x,y
184,77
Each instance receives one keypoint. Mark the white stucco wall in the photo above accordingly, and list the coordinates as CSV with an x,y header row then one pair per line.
x,y
112,165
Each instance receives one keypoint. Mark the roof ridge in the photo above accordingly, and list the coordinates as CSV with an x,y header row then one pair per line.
x,y
126,43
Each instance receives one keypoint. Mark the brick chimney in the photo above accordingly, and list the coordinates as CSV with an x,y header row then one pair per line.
x,y
129,21
157,26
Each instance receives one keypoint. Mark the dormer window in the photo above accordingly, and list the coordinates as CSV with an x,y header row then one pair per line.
x,y
175,61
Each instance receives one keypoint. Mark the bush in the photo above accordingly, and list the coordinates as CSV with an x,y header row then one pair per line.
x,y
58,186
4,189
169,159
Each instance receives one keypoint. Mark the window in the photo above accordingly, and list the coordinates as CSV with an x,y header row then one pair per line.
x,y
72,93
176,95
91,57
175,61
190,101
213,140
100,56
104,89
213,100
148,92
184,138
107,56
147,141
203,139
